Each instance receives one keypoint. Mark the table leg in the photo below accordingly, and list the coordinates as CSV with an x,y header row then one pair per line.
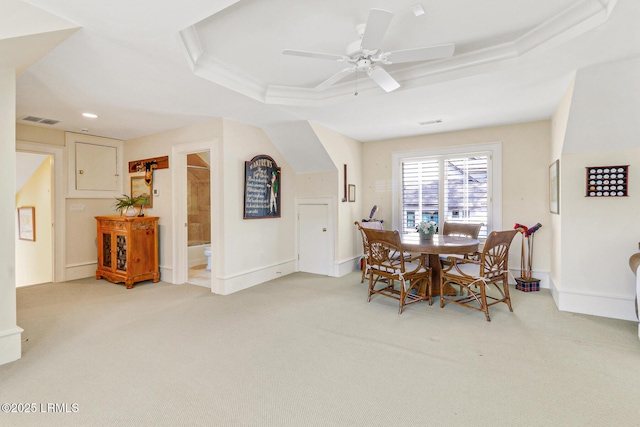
x,y
436,270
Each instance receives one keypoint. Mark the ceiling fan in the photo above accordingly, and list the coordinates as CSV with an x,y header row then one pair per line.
x,y
365,54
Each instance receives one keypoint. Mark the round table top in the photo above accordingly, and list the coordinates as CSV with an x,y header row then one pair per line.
x,y
439,245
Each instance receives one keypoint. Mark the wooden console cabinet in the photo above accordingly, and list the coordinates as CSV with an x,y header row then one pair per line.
x,y
127,249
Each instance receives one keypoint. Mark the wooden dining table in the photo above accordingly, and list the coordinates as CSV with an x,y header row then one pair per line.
x,y
439,245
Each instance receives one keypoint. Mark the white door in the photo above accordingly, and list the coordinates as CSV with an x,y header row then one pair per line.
x,y
313,235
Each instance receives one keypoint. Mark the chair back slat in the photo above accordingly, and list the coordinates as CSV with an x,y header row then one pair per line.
x,y
383,245
494,259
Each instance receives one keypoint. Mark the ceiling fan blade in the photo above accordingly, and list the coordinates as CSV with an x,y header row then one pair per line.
x,y
375,29
335,78
420,54
384,79
328,56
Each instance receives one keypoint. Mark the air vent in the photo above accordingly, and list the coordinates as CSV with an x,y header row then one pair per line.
x,y
34,119
49,121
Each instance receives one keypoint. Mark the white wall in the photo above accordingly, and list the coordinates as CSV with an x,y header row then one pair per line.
x,y
599,234
598,237
259,249
344,150
558,130
10,333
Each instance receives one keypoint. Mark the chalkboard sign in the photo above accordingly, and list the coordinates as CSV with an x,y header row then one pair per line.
x,y
261,188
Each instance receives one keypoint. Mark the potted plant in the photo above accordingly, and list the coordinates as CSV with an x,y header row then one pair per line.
x,y
126,204
426,229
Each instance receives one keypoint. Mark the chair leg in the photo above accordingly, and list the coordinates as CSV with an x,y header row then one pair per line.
x,y
371,285
442,283
505,284
483,301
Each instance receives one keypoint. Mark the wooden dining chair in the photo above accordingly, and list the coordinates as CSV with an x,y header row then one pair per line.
x,y
474,277
391,270
376,225
470,230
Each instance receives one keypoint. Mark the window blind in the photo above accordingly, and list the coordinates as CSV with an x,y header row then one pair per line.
x,y
445,188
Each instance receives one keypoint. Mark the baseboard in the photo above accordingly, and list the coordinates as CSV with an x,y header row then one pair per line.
x,y
80,270
613,307
245,280
342,268
10,345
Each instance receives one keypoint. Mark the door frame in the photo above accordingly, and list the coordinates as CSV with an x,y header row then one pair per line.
x,y
331,225
58,201
180,254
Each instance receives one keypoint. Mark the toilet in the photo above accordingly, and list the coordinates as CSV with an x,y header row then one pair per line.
x,y
207,253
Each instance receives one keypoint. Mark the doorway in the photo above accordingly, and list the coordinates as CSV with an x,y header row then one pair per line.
x,y
46,195
182,259
199,218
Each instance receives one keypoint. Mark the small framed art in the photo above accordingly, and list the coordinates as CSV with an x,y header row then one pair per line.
x,y
27,223
140,188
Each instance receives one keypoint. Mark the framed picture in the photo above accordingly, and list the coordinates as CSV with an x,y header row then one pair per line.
x,y
352,193
27,223
261,188
554,187
140,188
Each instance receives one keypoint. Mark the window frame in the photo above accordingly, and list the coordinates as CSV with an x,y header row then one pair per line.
x,y
494,187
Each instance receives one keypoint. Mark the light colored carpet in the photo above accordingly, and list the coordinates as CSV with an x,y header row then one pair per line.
x,y
306,350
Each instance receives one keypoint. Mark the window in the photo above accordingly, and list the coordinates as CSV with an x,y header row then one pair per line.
x,y
447,185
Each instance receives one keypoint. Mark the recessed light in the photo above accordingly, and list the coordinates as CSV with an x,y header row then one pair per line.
x,y
418,9
90,115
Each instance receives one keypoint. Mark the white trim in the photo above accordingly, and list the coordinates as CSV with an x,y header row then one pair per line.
x,y
331,225
594,304
180,273
81,270
10,345
58,234
560,28
247,279
494,177
347,266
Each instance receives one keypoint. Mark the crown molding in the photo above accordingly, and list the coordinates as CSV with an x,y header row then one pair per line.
x,y
572,22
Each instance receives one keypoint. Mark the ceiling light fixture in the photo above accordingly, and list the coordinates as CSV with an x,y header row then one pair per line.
x,y
90,115
418,9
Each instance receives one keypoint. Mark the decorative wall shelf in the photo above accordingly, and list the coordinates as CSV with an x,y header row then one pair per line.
x,y
607,181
